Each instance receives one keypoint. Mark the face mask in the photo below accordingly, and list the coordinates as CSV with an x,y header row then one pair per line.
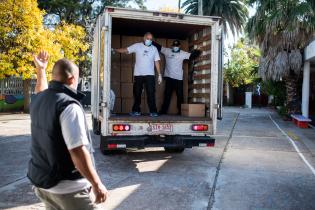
x,y
175,49
148,42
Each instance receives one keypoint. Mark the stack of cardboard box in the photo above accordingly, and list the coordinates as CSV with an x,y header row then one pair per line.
x,y
115,74
126,83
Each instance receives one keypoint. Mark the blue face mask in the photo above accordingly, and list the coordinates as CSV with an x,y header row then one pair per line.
x,y
148,42
175,49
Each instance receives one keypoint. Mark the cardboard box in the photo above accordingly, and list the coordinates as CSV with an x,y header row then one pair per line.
x,y
127,41
127,59
159,89
117,106
144,106
193,110
126,74
159,93
115,75
127,90
172,109
126,105
116,43
115,59
137,39
115,86
184,45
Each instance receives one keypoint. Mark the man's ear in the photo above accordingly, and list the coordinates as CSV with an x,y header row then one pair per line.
x,y
70,80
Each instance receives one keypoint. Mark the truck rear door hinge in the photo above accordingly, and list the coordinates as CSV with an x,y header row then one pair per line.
x,y
105,28
104,104
218,37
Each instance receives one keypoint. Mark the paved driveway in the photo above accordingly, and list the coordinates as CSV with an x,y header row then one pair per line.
x,y
253,166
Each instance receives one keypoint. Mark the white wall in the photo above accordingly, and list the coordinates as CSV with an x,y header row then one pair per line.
x,y
310,51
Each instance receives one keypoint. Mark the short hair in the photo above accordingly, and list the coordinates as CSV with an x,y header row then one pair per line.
x,y
64,68
147,33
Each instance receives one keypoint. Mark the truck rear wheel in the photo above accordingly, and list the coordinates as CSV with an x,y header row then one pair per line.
x,y
107,152
174,149
96,125
112,152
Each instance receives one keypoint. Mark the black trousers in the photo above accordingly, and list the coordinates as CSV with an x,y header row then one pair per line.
x,y
149,83
170,86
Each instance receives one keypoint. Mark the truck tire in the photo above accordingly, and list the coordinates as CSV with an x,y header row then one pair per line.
x,y
96,125
107,152
174,149
112,152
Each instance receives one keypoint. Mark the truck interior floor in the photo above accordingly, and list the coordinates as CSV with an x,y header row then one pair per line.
x,y
160,118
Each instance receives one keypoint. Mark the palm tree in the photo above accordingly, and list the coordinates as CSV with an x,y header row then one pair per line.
x,y
233,12
283,29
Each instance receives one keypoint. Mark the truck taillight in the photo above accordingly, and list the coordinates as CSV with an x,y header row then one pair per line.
x,y
121,127
206,144
116,146
199,127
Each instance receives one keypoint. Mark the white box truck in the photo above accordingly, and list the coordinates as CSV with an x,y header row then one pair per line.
x,y
202,82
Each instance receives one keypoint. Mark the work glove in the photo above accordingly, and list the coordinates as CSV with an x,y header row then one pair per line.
x,y
195,54
160,79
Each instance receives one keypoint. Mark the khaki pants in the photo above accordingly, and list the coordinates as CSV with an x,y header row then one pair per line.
x,y
80,200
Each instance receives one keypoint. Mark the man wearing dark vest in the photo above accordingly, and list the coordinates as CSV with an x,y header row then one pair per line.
x,y
62,167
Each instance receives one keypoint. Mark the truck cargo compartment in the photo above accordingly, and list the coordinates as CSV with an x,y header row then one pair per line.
x,y
196,76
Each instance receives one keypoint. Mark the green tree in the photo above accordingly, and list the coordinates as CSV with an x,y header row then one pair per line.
x,y
283,29
22,33
83,13
242,67
233,12
277,89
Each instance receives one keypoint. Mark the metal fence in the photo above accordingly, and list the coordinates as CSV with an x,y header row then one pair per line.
x,y
14,86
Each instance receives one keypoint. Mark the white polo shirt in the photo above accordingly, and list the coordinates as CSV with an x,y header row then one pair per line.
x,y
145,58
174,63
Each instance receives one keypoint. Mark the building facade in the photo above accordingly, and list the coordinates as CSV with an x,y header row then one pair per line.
x,y
308,88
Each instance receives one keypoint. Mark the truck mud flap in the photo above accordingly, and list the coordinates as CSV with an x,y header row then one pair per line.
x,y
96,125
121,142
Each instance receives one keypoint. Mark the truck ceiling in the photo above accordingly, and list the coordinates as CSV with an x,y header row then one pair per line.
x,y
134,27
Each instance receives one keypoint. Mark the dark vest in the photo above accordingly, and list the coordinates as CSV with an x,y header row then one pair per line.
x,y
51,161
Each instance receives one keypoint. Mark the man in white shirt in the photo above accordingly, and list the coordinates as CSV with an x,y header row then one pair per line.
x,y
62,167
147,56
173,74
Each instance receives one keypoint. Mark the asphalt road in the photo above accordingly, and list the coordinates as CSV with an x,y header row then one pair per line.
x,y
253,166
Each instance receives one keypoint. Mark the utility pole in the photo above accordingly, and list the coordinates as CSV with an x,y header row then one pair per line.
x,y
200,11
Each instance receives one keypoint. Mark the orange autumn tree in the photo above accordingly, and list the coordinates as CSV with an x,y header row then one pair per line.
x,y
22,33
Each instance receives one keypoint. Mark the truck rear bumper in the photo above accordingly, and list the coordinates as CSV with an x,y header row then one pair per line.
x,y
115,142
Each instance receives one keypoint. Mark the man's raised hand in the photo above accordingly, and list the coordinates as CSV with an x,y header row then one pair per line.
x,y
41,60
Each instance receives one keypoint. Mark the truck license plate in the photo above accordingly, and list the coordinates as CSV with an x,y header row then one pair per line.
x,y
161,127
